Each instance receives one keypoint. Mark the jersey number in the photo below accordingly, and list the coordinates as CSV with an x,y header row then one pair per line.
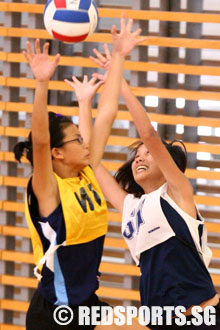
x,y
131,228
84,198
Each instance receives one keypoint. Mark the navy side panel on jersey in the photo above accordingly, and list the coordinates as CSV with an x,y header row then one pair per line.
x,y
168,279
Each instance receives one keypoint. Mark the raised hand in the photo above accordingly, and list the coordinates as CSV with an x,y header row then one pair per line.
x,y
40,63
84,90
100,60
123,43
126,40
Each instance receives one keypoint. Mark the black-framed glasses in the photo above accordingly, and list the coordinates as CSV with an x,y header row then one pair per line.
x,y
79,139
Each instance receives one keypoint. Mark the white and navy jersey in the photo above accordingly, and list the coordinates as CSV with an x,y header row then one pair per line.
x,y
171,249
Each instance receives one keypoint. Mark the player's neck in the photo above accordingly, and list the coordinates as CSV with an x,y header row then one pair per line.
x,y
65,171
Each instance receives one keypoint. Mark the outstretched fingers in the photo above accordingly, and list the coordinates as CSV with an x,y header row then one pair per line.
x,y
70,83
137,33
96,61
56,59
75,79
114,31
99,76
129,25
126,40
107,52
46,47
99,56
29,53
123,24
85,79
141,40
37,46
98,84
26,55
29,49
92,81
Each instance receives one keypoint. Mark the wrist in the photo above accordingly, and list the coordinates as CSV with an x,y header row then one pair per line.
x,y
42,82
118,54
85,103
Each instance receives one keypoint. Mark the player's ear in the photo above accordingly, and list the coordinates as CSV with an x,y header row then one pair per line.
x,y
57,153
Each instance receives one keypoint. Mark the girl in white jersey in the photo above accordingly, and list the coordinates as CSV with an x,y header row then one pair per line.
x,y
65,210
161,223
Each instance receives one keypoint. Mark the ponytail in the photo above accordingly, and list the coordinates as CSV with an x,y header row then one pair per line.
x,y
24,149
57,124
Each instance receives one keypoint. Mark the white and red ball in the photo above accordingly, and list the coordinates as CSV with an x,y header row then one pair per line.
x,y
70,20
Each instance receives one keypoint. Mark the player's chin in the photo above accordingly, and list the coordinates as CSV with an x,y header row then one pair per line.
x,y
83,165
140,177
139,174
86,161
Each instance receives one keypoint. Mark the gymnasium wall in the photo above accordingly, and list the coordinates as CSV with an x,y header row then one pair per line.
x,y
175,73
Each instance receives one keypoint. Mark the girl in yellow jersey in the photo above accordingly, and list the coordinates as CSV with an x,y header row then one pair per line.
x,y
65,208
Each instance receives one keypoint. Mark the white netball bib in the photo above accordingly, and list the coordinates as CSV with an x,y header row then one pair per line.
x,y
144,224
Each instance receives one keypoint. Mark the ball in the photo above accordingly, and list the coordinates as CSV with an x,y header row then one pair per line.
x,y
70,20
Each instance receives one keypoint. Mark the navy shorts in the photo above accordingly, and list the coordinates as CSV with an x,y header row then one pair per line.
x,y
40,314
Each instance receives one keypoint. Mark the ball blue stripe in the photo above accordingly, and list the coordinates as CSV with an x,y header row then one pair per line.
x,y
47,4
94,4
85,4
71,16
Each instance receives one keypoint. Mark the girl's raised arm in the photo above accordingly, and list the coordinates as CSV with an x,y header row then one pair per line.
x,y
110,188
85,92
179,186
43,181
123,43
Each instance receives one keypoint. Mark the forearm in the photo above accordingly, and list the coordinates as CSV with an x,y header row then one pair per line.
x,y
123,44
108,101
138,112
85,120
110,188
107,110
40,122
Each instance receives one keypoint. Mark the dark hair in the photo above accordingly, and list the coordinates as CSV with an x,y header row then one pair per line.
x,y
124,175
57,123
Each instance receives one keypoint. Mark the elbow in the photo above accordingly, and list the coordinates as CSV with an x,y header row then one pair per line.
x,y
148,134
41,140
106,118
107,110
